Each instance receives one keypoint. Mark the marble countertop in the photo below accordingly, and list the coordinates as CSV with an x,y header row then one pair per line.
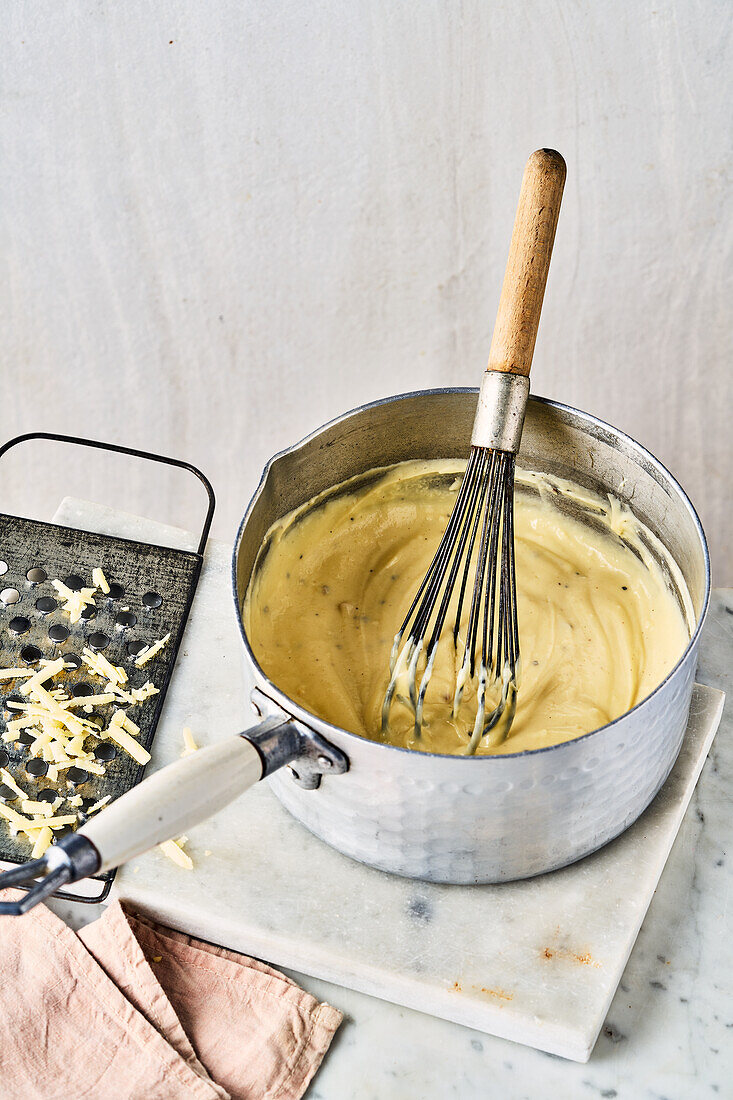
x,y
669,1031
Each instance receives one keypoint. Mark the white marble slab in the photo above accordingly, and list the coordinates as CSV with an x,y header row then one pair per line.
x,y
537,962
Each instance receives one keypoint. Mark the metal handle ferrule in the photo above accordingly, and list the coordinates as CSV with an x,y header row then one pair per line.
x,y
502,401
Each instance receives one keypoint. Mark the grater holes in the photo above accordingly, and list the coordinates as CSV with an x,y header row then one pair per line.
x,y
7,794
36,767
46,604
48,795
25,738
71,660
98,640
74,582
31,654
36,575
3,568
105,753
76,776
89,613
9,596
116,592
19,625
12,699
58,633
152,600
82,690
135,648
4,758
125,619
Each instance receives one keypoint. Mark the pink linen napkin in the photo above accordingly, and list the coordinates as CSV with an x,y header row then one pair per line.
x,y
128,1010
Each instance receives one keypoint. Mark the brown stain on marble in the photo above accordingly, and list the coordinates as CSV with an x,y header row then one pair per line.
x,y
498,994
582,959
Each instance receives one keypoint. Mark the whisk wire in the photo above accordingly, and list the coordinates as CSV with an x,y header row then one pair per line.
x,y
478,546
430,584
470,523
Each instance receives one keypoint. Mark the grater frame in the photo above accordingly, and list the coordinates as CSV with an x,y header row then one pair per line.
x,y
67,550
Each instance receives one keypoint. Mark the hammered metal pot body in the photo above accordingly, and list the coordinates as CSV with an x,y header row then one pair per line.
x,y
487,818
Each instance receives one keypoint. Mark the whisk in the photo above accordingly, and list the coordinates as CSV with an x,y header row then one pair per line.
x,y
479,538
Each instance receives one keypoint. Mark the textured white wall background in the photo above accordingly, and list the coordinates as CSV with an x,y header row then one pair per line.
x,y
224,223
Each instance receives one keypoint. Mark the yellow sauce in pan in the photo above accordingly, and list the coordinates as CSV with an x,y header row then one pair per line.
x,y
600,626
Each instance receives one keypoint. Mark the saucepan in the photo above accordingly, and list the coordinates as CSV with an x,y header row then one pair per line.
x,y
479,819
440,818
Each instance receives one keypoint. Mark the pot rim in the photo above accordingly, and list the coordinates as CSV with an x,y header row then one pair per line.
x,y
302,715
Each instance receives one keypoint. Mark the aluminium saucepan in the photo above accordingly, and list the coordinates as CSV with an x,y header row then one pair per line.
x,y
442,818
460,819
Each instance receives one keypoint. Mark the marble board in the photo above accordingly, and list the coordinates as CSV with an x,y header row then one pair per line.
x,y
537,961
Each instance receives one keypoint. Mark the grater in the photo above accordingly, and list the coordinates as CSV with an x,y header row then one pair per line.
x,y
151,592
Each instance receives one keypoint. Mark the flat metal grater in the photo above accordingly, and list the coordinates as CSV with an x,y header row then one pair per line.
x,y
151,589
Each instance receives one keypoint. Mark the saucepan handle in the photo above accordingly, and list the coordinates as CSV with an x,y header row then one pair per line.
x,y
174,799
170,802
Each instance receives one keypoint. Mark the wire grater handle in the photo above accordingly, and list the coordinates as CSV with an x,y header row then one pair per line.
x,y
133,452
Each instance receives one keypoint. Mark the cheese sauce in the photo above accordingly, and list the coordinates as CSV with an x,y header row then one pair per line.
x,y
599,623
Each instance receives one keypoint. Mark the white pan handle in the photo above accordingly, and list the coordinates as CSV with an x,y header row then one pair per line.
x,y
173,800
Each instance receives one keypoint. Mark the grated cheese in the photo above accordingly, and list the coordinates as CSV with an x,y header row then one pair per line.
x,y
128,724
41,742
145,692
14,673
151,651
100,580
74,602
175,852
59,728
126,741
120,695
98,805
43,839
17,821
57,711
189,745
43,674
92,766
55,822
10,782
91,700
29,806
98,663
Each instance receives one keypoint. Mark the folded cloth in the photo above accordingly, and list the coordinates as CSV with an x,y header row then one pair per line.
x,y
128,1010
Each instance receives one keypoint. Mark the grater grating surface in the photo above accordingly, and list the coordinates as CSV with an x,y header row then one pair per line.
x,y
139,569
151,592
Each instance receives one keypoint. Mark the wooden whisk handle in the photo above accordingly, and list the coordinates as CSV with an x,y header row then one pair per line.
x,y
515,331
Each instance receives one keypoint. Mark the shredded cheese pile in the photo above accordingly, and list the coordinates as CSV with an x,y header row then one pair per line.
x,y
57,721
74,602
